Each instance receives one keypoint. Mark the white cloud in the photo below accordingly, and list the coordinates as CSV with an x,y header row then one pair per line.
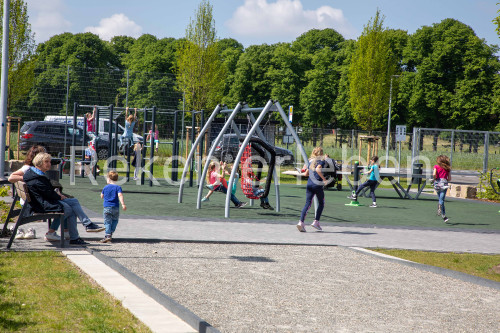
x,y
116,25
47,19
285,20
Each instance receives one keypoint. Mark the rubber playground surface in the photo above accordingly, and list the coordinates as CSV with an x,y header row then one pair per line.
x,y
161,201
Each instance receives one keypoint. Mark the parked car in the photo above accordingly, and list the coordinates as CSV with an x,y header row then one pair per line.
x,y
227,151
51,135
103,126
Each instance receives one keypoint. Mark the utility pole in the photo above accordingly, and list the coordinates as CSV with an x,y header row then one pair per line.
x,y
389,125
4,84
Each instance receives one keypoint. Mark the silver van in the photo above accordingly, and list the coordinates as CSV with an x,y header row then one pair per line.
x,y
103,126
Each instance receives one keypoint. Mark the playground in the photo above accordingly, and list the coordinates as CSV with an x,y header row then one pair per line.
x,y
161,202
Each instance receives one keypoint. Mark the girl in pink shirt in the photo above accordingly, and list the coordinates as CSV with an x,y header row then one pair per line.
x,y
441,175
217,183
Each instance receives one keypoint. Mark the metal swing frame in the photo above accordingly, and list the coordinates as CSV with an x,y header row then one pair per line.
x,y
271,106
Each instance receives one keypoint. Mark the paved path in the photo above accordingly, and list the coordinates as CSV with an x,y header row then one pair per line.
x,y
268,277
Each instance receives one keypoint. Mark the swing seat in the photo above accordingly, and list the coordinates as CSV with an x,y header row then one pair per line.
x,y
248,178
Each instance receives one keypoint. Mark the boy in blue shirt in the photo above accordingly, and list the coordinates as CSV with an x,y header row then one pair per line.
x,y
113,196
372,181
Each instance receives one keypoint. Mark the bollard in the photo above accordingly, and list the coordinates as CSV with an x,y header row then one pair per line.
x,y
417,170
356,173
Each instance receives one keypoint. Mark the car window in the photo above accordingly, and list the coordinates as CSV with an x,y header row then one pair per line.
x,y
76,131
106,127
25,127
41,129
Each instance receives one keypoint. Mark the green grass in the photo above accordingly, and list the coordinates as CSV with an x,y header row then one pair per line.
x,y
44,292
474,264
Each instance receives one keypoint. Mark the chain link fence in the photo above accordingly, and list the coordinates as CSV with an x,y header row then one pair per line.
x,y
56,89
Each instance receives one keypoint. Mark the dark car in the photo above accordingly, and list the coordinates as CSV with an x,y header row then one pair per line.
x,y
227,151
52,134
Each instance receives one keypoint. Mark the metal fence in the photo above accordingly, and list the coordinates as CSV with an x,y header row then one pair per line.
x,y
56,89
468,150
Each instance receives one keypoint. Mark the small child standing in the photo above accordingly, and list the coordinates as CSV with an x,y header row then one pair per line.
x,y
112,195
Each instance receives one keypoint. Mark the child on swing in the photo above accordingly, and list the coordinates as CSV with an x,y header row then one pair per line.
x,y
215,177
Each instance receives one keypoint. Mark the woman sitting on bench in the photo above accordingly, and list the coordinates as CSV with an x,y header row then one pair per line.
x,y
52,235
45,199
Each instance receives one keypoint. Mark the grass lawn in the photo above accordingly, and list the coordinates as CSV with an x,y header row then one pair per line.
x,y
44,292
482,265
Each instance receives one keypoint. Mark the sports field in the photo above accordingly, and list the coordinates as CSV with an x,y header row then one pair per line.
x,y
161,201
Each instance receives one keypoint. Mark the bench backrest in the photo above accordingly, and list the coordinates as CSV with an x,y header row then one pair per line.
x,y
22,191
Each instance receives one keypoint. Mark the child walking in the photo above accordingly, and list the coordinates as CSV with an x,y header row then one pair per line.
x,y
112,195
373,177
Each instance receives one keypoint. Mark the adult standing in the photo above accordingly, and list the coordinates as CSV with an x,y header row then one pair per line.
x,y
442,175
314,187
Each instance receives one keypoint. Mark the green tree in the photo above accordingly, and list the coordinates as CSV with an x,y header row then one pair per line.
x,y
230,51
371,69
151,80
92,72
21,50
321,75
251,82
343,117
496,21
451,77
200,73
121,47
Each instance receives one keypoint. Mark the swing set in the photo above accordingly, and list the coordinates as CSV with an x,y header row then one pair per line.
x,y
254,138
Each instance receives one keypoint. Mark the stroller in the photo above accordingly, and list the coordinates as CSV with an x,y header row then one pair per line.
x,y
331,175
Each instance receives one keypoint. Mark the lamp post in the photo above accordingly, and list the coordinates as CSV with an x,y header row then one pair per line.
x,y
4,83
389,124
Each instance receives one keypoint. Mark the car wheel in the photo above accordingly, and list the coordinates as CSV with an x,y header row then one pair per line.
x,y
102,154
228,158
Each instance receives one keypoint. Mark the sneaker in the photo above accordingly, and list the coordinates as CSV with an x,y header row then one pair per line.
x,y
106,239
92,227
241,204
30,234
316,225
77,241
210,187
301,227
135,178
266,206
445,219
373,205
52,237
20,234
205,199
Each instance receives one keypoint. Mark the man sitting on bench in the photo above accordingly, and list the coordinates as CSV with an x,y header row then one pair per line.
x,y
45,199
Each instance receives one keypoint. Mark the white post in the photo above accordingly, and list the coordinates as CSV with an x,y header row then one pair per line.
x,y
4,84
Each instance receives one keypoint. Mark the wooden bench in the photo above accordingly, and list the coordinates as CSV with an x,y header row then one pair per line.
x,y
25,214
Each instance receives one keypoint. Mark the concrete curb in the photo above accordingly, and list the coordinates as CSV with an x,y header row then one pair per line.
x,y
433,269
170,304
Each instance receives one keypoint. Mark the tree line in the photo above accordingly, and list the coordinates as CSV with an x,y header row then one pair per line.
x,y
442,76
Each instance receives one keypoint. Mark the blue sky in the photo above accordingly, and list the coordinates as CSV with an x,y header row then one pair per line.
x,y
253,21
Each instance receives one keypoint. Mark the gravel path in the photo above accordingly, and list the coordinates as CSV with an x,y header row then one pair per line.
x,y
280,288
